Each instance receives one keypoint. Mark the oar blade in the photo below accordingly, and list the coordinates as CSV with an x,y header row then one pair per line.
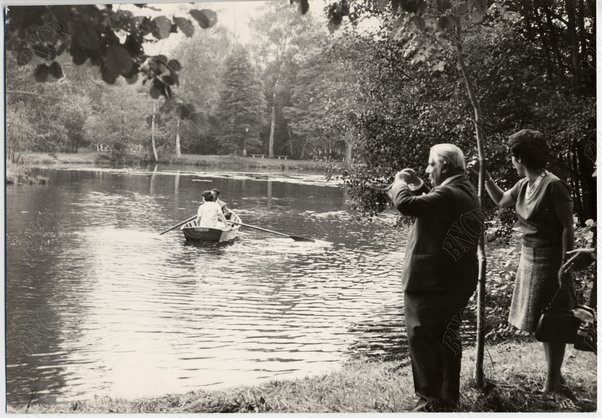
x,y
298,238
294,237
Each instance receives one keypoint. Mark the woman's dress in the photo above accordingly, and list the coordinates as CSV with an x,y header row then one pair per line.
x,y
537,209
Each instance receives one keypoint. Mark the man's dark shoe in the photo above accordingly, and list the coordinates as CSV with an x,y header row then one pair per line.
x,y
421,406
425,405
435,405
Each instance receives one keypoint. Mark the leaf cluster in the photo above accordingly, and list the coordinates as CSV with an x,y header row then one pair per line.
x,y
112,40
415,94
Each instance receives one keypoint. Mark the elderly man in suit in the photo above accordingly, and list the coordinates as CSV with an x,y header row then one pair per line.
x,y
440,271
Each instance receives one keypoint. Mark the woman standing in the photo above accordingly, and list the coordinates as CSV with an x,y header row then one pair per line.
x,y
544,208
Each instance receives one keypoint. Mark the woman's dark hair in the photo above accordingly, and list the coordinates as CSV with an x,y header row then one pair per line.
x,y
216,191
530,146
208,196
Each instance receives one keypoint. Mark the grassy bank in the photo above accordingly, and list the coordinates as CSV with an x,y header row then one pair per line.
x,y
207,161
20,174
515,372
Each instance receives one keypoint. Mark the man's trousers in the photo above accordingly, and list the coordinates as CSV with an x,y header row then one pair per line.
x,y
433,327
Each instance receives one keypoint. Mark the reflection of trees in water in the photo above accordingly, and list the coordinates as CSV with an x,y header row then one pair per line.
x,y
315,303
37,321
29,379
391,347
384,339
381,337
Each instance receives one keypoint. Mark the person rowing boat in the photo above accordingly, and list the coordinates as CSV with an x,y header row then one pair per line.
x,y
221,203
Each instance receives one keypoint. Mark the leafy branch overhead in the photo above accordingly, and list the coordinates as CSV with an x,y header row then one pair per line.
x,y
112,40
426,29
303,5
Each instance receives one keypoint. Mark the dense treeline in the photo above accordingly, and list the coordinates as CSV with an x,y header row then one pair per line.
x,y
533,66
369,93
235,96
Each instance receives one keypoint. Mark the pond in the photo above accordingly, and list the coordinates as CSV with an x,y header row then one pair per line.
x,y
98,303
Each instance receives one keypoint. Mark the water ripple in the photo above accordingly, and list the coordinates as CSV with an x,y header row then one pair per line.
x,y
101,304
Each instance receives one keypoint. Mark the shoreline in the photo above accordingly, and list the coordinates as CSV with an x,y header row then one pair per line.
x,y
17,175
101,159
514,371
515,366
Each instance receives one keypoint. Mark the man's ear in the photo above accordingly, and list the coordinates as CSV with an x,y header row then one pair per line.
x,y
444,168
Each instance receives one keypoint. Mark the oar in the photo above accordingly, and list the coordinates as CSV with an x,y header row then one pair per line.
x,y
295,237
181,223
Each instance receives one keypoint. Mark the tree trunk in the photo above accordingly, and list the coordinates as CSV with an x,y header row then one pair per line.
x,y
582,33
479,376
586,72
586,154
153,132
550,65
291,143
302,155
273,124
553,37
348,153
178,150
572,31
574,173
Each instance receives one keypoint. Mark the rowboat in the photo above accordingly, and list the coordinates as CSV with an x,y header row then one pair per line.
x,y
194,233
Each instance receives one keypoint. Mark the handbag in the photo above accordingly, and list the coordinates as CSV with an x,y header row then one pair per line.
x,y
587,336
576,326
558,325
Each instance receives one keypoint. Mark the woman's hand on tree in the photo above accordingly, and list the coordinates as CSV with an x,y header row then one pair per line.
x,y
473,166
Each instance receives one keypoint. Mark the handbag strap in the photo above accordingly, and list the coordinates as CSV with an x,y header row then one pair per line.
x,y
573,293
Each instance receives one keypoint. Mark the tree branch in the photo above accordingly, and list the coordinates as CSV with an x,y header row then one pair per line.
x,y
30,93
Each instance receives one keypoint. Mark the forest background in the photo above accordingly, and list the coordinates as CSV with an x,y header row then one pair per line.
x,y
367,87
348,84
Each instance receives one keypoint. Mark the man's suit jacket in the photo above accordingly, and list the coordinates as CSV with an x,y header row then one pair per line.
x,y
441,254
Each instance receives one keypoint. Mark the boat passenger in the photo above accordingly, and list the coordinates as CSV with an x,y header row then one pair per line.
x,y
210,214
221,203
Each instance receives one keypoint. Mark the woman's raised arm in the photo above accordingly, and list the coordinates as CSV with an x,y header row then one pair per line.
x,y
503,199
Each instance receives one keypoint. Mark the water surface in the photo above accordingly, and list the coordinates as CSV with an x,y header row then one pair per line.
x,y
98,303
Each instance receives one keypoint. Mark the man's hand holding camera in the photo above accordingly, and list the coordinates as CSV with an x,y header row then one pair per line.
x,y
409,177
